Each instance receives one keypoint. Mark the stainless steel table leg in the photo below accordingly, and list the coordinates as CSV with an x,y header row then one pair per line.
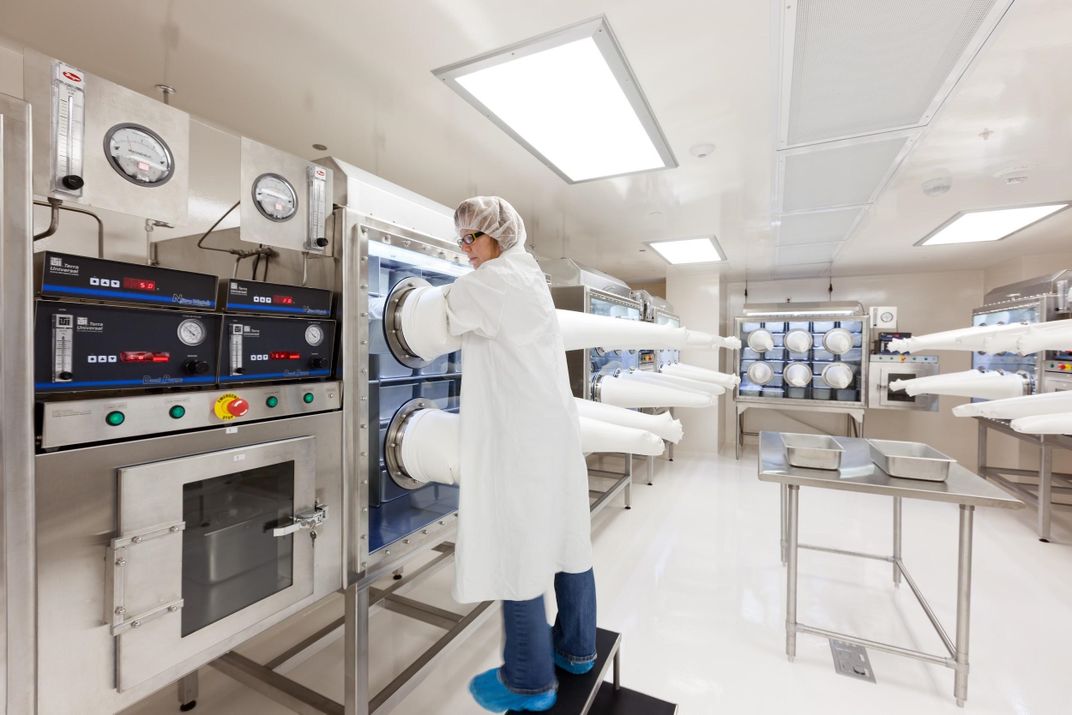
x,y
1045,493
964,575
187,692
782,491
651,470
738,437
981,454
791,575
357,651
897,541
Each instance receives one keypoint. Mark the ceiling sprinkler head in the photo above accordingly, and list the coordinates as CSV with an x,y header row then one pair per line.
x,y
701,151
166,90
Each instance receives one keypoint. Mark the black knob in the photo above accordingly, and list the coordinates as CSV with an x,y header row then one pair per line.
x,y
318,362
73,182
238,371
320,242
195,367
65,375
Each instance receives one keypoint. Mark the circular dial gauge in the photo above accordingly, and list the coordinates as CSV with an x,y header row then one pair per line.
x,y
886,316
139,155
275,197
314,335
192,332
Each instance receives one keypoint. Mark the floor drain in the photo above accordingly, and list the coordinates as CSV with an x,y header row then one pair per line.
x,y
851,660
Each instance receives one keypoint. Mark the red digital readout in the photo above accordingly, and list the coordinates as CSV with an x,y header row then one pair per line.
x,y
283,299
284,356
143,356
139,284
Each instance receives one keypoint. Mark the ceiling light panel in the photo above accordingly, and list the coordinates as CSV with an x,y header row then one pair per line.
x,y
989,225
866,66
571,99
839,174
818,226
690,250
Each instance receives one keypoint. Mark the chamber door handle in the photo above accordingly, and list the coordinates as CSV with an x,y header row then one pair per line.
x,y
305,520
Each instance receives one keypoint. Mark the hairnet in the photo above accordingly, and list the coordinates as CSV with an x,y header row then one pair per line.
x,y
491,215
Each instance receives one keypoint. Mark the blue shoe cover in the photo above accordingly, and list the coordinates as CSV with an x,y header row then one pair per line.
x,y
570,667
491,694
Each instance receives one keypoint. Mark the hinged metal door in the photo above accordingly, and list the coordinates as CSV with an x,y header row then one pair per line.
x,y
156,548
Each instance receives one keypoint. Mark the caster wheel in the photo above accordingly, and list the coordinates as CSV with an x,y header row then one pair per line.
x,y
628,507
398,577
187,707
1045,541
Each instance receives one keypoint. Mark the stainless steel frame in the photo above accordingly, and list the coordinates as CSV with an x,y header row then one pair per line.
x,y
18,576
1038,492
964,489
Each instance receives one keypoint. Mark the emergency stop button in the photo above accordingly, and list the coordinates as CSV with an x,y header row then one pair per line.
x,y
229,405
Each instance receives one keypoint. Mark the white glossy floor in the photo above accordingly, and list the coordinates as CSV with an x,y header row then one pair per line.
x,y
692,579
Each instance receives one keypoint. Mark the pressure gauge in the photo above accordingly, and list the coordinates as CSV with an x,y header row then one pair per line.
x,y
139,155
192,332
275,197
314,335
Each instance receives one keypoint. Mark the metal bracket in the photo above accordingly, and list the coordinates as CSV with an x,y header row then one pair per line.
x,y
309,519
117,616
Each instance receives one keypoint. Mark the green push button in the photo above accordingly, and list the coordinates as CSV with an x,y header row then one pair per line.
x,y
272,401
115,418
308,398
177,412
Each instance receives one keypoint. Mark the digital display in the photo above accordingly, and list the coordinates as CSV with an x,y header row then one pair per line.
x,y
284,356
283,299
139,284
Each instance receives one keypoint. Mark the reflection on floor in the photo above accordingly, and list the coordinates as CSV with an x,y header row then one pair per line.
x,y
691,578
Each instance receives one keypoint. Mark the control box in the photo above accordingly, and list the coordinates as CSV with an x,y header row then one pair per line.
x,y
95,347
258,348
63,275
246,296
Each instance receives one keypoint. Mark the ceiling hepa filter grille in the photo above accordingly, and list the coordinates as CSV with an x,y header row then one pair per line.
x,y
863,66
807,253
817,226
843,174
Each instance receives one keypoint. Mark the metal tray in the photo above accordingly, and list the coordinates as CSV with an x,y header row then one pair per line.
x,y
812,451
910,460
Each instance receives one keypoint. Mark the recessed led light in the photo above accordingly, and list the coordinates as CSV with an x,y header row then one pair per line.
x,y
689,250
319,147
989,224
571,99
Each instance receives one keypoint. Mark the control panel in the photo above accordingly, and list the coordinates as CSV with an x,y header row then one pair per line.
x,y
95,347
261,348
68,276
71,422
246,296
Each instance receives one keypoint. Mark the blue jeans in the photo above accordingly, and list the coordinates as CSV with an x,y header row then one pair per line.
x,y
528,657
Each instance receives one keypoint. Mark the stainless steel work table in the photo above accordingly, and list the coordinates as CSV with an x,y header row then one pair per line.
x,y
859,474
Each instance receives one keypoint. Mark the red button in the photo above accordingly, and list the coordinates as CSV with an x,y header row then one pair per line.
x,y
238,407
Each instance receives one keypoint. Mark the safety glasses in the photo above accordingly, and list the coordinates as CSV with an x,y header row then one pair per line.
x,y
468,238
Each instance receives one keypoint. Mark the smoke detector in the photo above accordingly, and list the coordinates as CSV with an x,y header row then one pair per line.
x,y
938,185
701,151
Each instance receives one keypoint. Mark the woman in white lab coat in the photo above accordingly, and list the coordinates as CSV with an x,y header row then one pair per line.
x,y
523,516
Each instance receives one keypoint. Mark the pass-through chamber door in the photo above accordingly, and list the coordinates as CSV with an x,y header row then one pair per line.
x,y
208,546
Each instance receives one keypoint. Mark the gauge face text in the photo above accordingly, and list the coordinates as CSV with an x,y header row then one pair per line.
x,y
314,335
192,332
139,155
275,197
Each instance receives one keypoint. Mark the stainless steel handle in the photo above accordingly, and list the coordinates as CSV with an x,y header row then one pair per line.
x,y
305,520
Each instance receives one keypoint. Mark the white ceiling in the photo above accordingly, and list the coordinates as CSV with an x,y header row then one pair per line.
x,y
356,75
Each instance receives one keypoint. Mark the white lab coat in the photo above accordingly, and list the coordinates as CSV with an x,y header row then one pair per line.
x,y
523,514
